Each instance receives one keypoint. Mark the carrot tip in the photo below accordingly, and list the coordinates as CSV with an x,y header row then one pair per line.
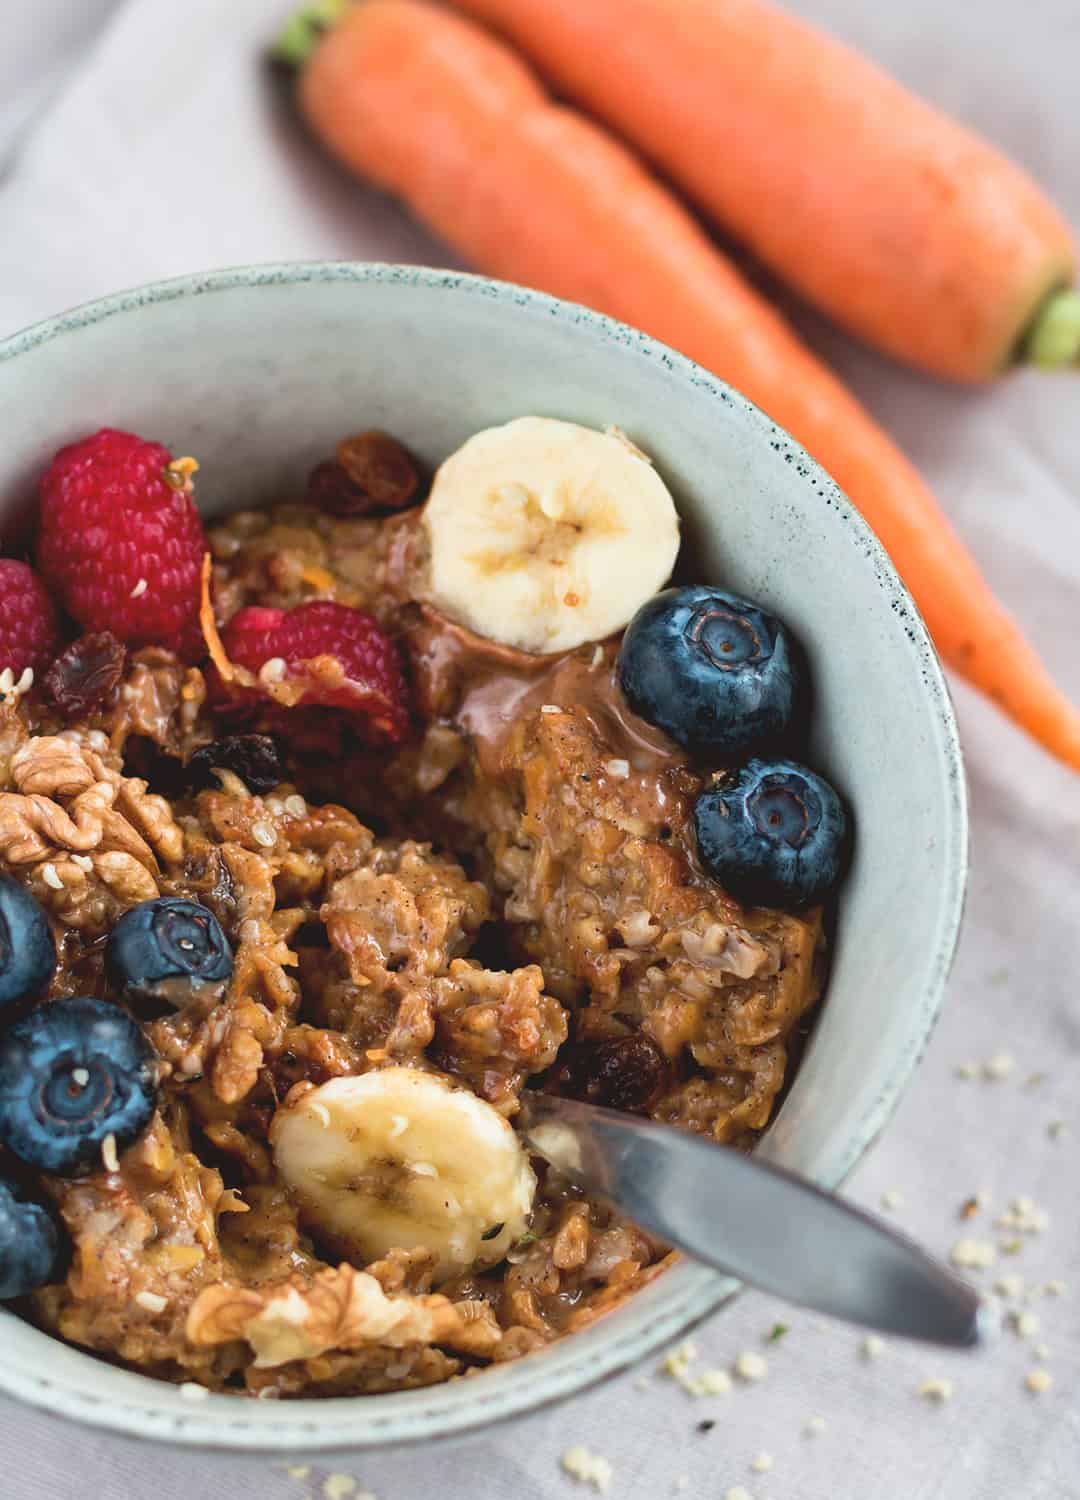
x,y
1053,340
301,33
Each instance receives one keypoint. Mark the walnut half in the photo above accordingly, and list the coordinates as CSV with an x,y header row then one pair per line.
x,y
339,1309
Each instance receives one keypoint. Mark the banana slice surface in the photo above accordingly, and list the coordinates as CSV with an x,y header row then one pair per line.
x,y
398,1159
545,534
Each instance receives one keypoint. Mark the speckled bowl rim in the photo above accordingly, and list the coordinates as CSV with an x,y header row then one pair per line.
x,y
686,1294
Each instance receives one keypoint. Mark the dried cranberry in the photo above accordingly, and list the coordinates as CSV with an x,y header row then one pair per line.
x,y
83,677
627,1072
255,758
380,468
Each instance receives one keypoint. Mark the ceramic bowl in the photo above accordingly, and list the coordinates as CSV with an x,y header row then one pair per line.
x,y
258,372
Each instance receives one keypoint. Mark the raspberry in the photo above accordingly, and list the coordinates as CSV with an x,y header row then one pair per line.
x,y
29,627
121,540
329,654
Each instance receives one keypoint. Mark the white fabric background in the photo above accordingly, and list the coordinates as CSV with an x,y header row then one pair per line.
x,y
140,138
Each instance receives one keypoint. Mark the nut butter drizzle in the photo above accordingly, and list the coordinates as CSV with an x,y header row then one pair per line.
x,y
488,689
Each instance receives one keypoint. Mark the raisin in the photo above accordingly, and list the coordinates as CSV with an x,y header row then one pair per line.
x,y
84,676
255,758
380,468
627,1072
163,773
331,489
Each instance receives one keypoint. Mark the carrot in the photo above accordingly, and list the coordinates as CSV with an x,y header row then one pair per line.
x,y
430,107
903,225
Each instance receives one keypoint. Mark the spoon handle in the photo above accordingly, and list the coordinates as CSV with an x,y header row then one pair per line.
x,y
753,1220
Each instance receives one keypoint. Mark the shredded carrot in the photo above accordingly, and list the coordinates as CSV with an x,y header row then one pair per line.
x,y
319,578
209,624
180,474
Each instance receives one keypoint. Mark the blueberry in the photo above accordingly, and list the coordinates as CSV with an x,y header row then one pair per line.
x,y
165,949
719,675
32,1245
27,950
775,834
71,1073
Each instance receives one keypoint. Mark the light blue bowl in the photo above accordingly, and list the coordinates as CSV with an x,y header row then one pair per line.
x,y
258,372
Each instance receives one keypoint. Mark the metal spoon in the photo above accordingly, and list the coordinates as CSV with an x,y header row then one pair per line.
x,y
755,1221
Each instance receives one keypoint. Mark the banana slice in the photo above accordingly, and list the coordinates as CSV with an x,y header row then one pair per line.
x,y
544,534
397,1159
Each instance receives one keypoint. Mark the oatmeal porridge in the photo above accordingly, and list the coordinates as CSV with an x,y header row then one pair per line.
x,y
324,832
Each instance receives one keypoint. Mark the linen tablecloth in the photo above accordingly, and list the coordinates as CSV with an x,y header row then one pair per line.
x,y
141,138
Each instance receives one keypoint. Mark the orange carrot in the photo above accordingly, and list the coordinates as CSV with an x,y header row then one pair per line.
x,y
903,225
432,108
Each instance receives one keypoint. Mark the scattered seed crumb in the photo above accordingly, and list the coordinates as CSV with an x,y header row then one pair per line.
x,y
110,1159
151,1301
338,1486
873,1347
711,1383
677,1361
1025,1324
587,1468
1034,1080
50,877
298,1471
777,1332
1010,1287
1054,1288
708,1383
999,1066
762,1463
968,1070
708,1424
1038,1381
191,1390
974,1205
815,1426
751,1366
998,978
1025,1216
1041,1351
619,769
736,1492
894,1198
936,1390
641,1383
973,1255
139,590
1056,1129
